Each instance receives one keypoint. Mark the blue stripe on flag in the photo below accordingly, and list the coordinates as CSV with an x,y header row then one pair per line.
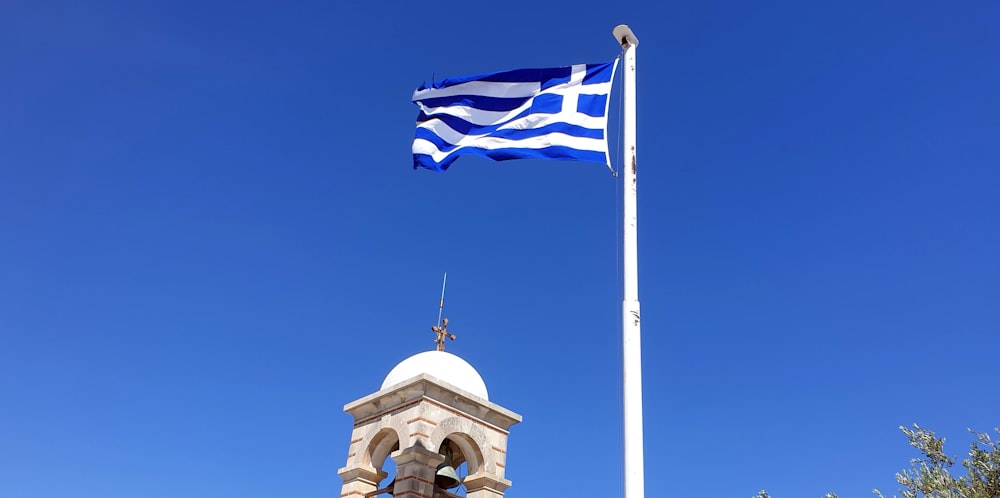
x,y
549,113
515,76
465,128
547,103
556,152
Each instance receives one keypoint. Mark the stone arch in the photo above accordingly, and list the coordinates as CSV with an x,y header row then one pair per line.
x,y
381,444
470,440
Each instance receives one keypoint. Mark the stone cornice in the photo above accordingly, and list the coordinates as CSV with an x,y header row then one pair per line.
x,y
428,386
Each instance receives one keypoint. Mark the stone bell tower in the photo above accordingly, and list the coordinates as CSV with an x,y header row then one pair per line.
x,y
431,404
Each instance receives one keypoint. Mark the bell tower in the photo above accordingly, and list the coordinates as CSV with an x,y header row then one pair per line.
x,y
432,414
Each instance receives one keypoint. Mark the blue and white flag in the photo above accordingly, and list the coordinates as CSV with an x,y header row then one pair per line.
x,y
551,113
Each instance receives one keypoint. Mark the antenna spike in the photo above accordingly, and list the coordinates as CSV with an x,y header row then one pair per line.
x,y
441,302
441,329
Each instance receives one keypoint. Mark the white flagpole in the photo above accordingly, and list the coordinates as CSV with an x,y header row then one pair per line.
x,y
631,350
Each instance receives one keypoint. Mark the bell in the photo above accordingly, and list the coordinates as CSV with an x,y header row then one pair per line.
x,y
446,477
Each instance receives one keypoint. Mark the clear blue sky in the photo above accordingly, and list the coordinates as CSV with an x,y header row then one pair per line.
x,y
211,239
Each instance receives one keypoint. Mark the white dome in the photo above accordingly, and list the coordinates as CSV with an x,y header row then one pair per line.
x,y
444,366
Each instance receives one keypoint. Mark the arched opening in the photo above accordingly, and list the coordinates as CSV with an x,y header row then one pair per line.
x,y
466,451
389,468
381,446
456,450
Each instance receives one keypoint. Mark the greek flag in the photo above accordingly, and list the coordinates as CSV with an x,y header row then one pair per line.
x,y
551,113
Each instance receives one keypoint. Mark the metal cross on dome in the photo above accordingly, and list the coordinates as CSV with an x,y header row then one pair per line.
x,y
442,333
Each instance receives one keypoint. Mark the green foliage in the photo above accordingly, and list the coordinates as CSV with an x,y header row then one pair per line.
x,y
929,477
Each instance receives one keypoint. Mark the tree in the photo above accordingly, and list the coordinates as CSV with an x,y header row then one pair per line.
x,y
929,477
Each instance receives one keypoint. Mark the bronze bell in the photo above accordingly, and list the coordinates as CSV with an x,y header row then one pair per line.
x,y
446,477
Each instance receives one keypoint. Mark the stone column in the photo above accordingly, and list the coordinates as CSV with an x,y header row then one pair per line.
x,y
485,486
358,481
416,467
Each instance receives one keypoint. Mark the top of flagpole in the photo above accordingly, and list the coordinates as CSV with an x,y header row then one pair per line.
x,y
624,35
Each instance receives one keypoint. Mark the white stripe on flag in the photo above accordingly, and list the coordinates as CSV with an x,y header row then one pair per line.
x,y
421,146
485,88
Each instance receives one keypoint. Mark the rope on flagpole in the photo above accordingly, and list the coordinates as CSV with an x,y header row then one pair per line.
x,y
621,108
